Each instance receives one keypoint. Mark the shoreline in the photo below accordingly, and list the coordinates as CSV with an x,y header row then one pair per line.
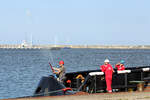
x,y
18,46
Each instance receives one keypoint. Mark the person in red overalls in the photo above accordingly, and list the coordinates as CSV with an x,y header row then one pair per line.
x,y
120,66
108,70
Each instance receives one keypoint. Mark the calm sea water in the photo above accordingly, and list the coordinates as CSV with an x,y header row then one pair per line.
x,y
21,70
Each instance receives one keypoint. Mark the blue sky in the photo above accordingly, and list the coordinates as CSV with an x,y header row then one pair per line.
x,y
93,22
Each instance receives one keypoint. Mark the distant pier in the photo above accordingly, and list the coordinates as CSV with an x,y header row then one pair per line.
x,y
17,46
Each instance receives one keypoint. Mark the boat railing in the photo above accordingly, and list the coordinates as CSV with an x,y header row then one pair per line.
x,y
122,80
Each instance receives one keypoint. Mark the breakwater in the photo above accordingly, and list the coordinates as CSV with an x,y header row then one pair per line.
x,y
17,46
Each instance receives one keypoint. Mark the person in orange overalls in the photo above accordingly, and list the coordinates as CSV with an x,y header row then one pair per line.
x,y
108,70
120,66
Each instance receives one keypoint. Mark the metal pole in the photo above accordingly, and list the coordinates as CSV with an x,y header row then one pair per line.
x,y
126,83
141,76
95,83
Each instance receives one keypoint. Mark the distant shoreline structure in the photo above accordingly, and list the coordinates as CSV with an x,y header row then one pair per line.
x,y
17,46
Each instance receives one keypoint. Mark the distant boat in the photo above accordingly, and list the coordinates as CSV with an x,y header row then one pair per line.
x,y
24,44
55,48
67,48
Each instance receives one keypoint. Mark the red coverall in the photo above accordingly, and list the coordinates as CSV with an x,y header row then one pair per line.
x,y
120,67
108,70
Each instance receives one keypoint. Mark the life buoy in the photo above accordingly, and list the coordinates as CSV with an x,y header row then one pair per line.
x,y
66,89
80,77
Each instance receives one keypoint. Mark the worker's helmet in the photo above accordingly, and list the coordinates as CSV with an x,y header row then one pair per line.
x,y
122,61
61,62
106,60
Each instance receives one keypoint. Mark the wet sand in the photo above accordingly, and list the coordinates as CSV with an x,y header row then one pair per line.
x,y
97,96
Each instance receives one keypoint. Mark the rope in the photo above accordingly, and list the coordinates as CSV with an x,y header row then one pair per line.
x,y
51,57
47,93
40,94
